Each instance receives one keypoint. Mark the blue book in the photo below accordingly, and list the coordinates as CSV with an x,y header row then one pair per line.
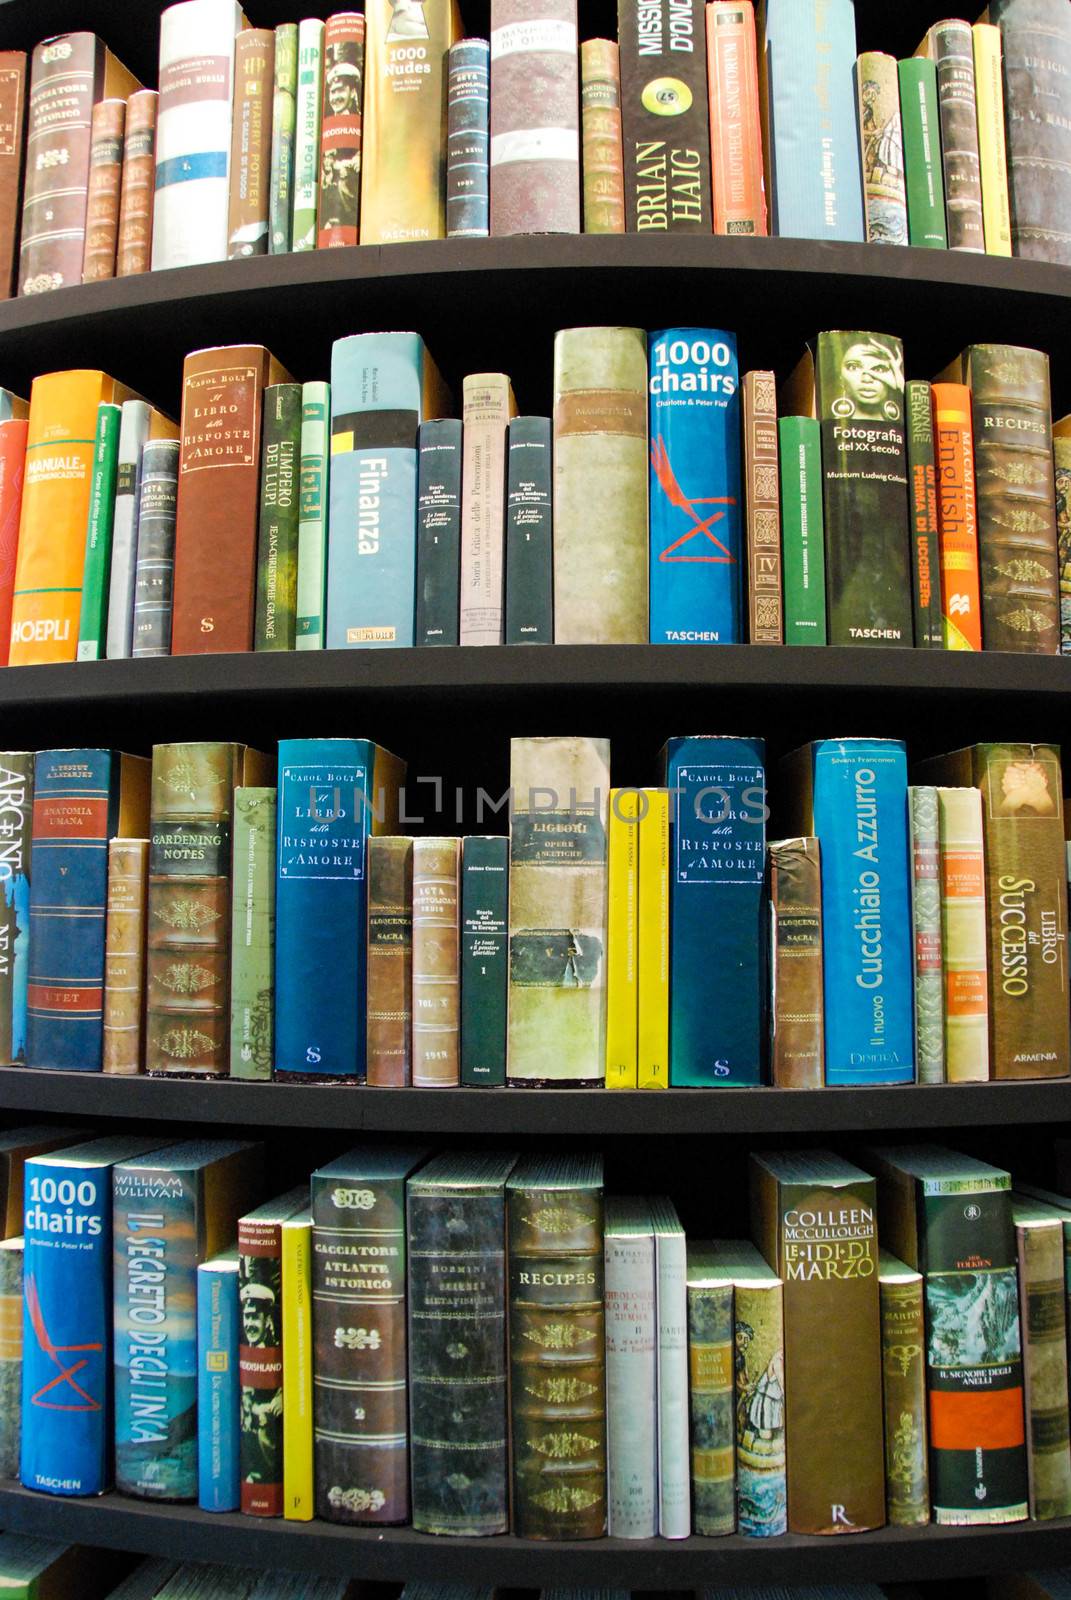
x,y
172,1210
383,386
468,85
82,798
814,174
16,829
218,1477
332,794
695,517
67,1316
852,794
717,910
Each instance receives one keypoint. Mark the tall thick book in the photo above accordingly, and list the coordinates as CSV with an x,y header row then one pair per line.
x,y
124,957
992,152
13,65
957,517
154,571
218,1389
920,119
260,1353
16,811
312,516
68,75
797,1046
96,566
653,938
218,495
811,147
67,1318
390,961
383,386
851,794
535,117
664,116
193,132
671,1269
557,910
252,986
11,1300
436,962
107,128
1036,39
139,424
172,1210
622,941
249,168
487,408
283,125
711,1348
82,799
631,1311
456,1246
1039,1238
903,1370
735,123
950,45
717,872
134,246
764,569
188,1019
468,152
359,1320
557,1364
332,793
338,208
802,544
923,844
963,934
922,508
484,959
438,557
1026,891
307,133
403,176
13,433
696,515
600,458
529,534
814,1217
602,155
881,137
950,1217
299,1482
280,512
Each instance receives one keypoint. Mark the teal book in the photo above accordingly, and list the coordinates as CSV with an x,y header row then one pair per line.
x,y
529,533
283,121
252,933
438,602
920,118
16,812
802,545
484,959
96,578
172,1210
315,468
277,542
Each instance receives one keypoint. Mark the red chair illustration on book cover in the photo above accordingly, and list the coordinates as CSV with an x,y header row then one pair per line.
x,y
57,1353
667,482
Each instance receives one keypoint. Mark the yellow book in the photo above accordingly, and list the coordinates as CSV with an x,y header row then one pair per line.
x,y
621,970
298,1482
653,1034
989,94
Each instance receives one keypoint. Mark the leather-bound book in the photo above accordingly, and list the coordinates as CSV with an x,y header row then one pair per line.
x,y
12,129
951,45
436,971
107,129
761,494
250,159
390,960
535,130
1036,38
124,956
600,122
134,250
903,1362
797,1050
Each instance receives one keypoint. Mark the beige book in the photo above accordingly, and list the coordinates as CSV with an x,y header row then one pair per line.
x,y
124,957
436,981
963,935
488,405
1039,1240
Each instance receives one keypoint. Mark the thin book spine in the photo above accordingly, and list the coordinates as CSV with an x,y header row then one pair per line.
x,y
252,1042
250,158
652,954
1061,454
134,248
925,532
761,1467
218,1392
631,1346
124,957
622,940
260,1365
602,155
154,571
13,435
390,961
299,1481
920,119
134,431
436,977
16,797
802,531
280,510
923,843
468,72
488,407
952,48
307,133
1043,1320
529,582
881,138
13,75
92,625
338,207
963,935
903,1361
957,517
283,124
674,1480
102,199
993,158
797,1015
484,960
313,487
735,131
438,559
765,624
711,1343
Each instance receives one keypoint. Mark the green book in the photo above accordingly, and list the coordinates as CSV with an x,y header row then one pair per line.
x,y
922,505
253,933
484,959
922,154
801,530
307,133
924,860
711,1341
312,515
283,121
96,574
277,543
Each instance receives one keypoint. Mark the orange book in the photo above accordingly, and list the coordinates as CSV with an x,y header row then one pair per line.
x,y
735,131
12,467
957,520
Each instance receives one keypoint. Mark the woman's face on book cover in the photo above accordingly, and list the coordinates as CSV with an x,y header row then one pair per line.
x,y
870,378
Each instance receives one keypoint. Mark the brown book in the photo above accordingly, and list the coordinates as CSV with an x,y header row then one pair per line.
x,y
134,250
762,496
600,122
390,960
436,986
218,497
12,130
250,164
124,956
1026,897
535,134
102,202
797,1050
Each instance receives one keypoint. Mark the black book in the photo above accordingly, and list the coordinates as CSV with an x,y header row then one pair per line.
x,y
529,533
484,958
438,575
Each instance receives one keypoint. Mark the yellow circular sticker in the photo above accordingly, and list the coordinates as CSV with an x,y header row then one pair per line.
x,y
667,97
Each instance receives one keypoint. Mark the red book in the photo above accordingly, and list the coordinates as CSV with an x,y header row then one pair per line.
x,y
260,1352
107,128
338,208
957,518
735,131
12,468
12,128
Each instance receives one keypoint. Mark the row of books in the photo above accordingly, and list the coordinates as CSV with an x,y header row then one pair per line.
x,y
46,1569
359,514
389,125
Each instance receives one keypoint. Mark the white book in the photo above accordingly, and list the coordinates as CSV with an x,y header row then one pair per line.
x,y
674,1459
487,408
193,132
133,432
631,1377
307,133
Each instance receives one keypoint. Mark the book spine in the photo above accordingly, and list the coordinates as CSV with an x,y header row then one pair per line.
x,y
622,943
390,961
764,573
882,146
11,1296
436,976
438,561
107,129
133,433
16,810
761,1470
13,433
193,133
674,1482
797,1049
283,127
154,570
65,77
250,157
1061,452
558,1433
711,1341
735,131
993,160
920,118
802,540
307,134
218,1393
339,205
903,1365
535,134
603,161
600,453
1036,42
1043,1319
359,1383
631,1346
664,70
952,48
313,485
12,131
299,1478
963,935
457,1360
484,960
124,956
134,244
92,625
695,515
488,407
252,1044
529,581
957,517
652,941
926,899
260,1366
468,149
922,494
277,539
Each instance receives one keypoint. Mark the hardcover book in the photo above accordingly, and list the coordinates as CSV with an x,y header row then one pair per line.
x,y
13,433
903,1370
963,934
96,566
653,935
1039,1238
283,128
124,957
735,123
16,809
535,132
487,409
881,138
106,131
390,961
631,1311
529,540
307,133
436,963
139,424
468,74
484,959
664,116
711,1364
252,996
134,247
923,844
11,1298
154,571
13,66
797,1046
1061,452
313,486
671,1269
922,510
438,557
1036,40
950,45
957,517
338,209
920,119
277,536
219,1475
299,1481
260,1352
622,941
603,161
992,153
764,574
802,543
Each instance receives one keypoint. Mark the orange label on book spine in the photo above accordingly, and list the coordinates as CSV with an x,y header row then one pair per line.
x,y
957,518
